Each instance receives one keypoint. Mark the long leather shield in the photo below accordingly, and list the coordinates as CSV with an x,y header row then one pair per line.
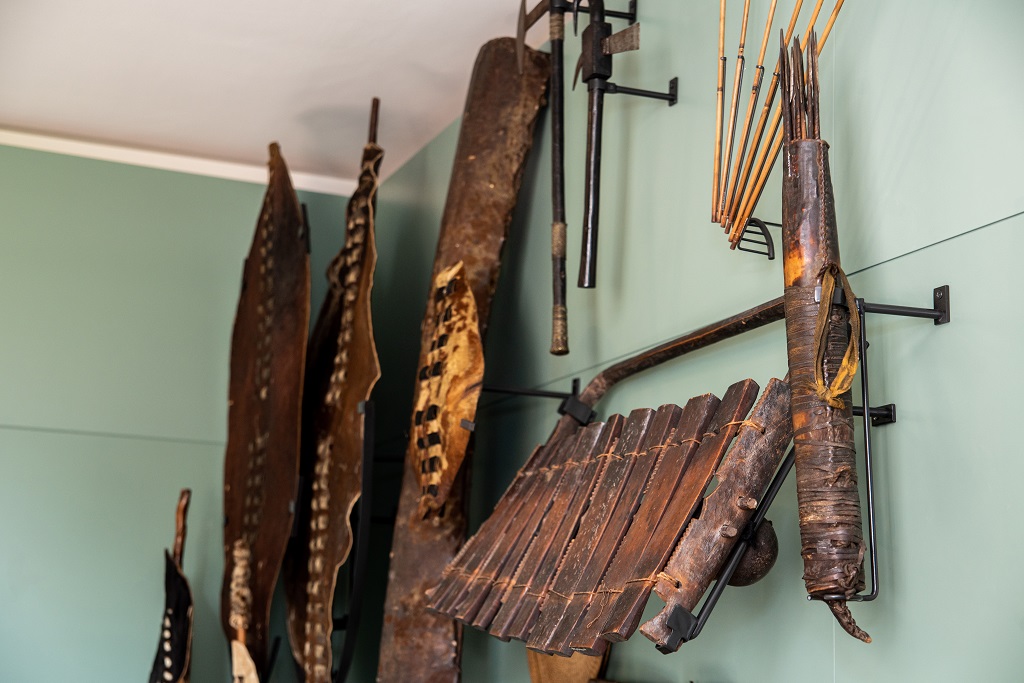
x,y
172,663
268,350
341,370
496,135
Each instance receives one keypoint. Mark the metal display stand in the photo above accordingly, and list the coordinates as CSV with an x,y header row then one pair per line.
x,y
685,625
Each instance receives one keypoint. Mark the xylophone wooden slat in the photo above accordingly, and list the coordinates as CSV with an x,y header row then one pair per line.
x,y
527,609
631,490
510,588
592,526
554,534
743,478
476,550
616,610
547,495
466,604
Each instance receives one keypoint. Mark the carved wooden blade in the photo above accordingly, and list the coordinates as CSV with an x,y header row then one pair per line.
x,y
449,387
172,663
742,477
521,36
496,136
575,669
264,410
626,40
615,611
341,370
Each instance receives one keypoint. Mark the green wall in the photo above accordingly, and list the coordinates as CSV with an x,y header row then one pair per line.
x,y
118,287
926,143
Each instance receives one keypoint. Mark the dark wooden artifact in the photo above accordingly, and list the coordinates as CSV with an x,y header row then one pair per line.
x,y
268,352
595,68
495,138
742,478
172,663
571,554
555,10
341,370
823,351
485,555
670,501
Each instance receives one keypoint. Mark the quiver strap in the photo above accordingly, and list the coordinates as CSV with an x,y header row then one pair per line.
x,y
261,465
494,140
341,370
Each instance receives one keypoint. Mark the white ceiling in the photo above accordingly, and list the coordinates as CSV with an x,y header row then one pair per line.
x,y
219,79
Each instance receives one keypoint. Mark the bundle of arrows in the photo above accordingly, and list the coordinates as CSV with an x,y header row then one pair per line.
x,y
751,155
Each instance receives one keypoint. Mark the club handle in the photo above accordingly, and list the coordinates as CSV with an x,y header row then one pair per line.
x,y
559,315
592,193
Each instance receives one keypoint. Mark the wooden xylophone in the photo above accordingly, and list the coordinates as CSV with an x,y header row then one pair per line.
x,y
572,551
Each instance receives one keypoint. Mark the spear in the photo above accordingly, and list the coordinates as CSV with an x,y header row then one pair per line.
x,y
595,67
556,15
737,83
719,112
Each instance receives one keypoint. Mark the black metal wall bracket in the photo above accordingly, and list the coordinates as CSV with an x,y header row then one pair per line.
x,y
571,404
756,239
684,624
672,96
567,6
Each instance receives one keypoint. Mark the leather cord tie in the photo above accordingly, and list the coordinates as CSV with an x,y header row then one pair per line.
x,y
851,359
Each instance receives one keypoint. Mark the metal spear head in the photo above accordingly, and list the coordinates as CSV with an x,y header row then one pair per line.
x,y
626,40
521,36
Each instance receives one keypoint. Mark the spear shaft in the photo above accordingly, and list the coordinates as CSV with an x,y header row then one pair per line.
x,y
737,84
719,109
559,317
